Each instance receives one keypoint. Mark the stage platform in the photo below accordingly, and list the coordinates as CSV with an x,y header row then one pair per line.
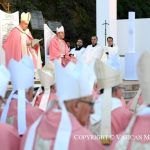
x,y
130,88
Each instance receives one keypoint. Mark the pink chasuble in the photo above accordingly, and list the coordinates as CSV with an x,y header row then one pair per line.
x,y
120,119
16,47
140,138
9,138
12,46
52,96
47,129
140,102
123,101
141,128
57,48
32,113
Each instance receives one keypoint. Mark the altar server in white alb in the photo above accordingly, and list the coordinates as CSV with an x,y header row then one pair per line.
x,y
93,51
110,54
79,49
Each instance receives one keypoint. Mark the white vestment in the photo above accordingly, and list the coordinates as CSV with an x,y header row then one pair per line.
x,y
112,58
77,53
92,53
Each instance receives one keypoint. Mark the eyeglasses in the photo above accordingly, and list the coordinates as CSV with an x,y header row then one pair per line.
x,y
91,104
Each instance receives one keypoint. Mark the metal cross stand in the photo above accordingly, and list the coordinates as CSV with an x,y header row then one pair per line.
x,y
8,7
105,30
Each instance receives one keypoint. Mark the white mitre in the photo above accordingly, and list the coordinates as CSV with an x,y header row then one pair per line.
x,y
26,17
72,82
47,80
22,78
61,29
144,76
144,79
107,78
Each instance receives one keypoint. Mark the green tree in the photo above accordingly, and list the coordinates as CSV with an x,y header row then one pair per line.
x,y
141,8
79,16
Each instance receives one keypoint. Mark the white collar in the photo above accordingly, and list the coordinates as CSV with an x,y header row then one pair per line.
x,y
143,110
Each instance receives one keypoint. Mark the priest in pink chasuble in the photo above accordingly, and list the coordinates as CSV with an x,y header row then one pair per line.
x,y
20,43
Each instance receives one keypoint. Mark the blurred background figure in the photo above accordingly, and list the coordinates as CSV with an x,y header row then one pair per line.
x,y
79,49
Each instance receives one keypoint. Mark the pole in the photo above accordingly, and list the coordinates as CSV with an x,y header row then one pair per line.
x,y
8,7
105,24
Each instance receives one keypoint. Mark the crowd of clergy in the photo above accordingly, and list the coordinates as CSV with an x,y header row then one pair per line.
x,y
79,104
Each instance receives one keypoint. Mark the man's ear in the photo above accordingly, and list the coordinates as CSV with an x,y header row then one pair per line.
x,y
27,92
76,106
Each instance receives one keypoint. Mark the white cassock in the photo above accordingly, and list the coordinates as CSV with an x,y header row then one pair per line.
x,y
113,58
77,53
92,53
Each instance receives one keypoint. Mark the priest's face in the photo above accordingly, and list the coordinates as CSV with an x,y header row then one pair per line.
x,y
94,40
79,43
84,109
24,25
110,41
61,35
117,92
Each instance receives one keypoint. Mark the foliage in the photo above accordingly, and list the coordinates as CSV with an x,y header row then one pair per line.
x,y
79,16
141,7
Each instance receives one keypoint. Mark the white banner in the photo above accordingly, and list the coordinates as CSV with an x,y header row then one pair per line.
x,y
48,35
7,22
